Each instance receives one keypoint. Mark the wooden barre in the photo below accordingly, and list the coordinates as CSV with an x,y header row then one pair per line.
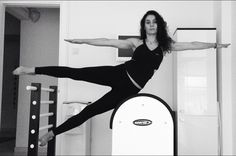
x,y
45,127
78,102
46,102
46,115
35,128
42,89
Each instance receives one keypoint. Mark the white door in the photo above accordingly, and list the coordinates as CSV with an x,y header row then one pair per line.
x,y
196,95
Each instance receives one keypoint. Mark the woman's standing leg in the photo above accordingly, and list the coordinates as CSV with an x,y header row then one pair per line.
x,y
107,102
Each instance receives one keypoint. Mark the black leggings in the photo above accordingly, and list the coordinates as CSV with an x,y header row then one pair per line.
x,y
113,76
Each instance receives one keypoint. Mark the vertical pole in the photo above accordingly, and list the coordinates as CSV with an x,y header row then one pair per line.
x,y
34,120
174,116
52,120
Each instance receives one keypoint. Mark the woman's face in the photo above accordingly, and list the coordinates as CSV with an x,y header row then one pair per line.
x,y
151,25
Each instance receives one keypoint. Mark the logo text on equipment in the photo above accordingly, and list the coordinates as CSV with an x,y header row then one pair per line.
x,y
142,122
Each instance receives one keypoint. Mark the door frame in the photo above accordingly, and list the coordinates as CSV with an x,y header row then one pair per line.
x,y
63,7
3,6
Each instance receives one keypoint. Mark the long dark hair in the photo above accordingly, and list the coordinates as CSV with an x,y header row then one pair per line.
x,y
162,35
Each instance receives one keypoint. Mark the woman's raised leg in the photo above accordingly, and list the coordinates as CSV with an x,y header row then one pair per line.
x,y
103,75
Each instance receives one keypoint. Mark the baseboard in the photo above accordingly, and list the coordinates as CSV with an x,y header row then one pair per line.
x,y
20,150
23,151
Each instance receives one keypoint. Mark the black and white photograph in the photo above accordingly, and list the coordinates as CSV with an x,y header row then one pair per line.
x,y
117,78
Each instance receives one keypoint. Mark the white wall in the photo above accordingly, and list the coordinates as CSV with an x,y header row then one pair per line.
x,y
226,84
2,25
110,19
39,47
233,47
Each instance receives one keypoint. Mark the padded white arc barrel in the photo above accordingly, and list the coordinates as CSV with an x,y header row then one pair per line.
x,y
143,125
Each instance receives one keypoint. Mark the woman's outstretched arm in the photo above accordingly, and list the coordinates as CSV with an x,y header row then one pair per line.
x,y
122,44
181,46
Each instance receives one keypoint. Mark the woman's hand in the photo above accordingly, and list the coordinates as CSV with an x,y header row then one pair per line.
x,y
222,45
74,41
69,40
195,45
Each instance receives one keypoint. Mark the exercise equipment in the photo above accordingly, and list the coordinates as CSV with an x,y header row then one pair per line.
x,y
34,118
143,125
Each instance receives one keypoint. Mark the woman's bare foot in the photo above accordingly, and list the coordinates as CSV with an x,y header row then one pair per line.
x,y
45,138
24,71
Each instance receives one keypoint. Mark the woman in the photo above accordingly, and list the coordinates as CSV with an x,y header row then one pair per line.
x,y
125,79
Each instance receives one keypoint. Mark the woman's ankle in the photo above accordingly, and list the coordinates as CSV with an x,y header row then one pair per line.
x,y
24,71
46,138
30,70
51,133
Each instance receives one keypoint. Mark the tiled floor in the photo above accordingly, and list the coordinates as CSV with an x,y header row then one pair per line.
x,y
7,148
7,143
